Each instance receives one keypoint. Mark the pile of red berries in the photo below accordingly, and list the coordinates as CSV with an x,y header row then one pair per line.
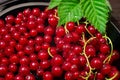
x,y
33,47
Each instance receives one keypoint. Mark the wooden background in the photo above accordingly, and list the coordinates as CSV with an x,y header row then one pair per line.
x,y
116,9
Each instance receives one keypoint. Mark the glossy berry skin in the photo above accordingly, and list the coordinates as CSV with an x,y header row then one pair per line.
x,y
104,48
92,30
47,38
2,44
82,60
70,26
60,31
106,69
43,55
2,23
45,64
47,76
66,66
4,61
33,57
100,76
56,71
74,68
14,59
75,60
31,25
36,11
24,70
9,76
3,70
34,65
30,77
80,29
39,72
57,60
90,51
68,76
53,21
12,68
96,63
10,19
27,11
19,77
48,30
24,60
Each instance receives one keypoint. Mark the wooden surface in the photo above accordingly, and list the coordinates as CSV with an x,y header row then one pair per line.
x,y
115,9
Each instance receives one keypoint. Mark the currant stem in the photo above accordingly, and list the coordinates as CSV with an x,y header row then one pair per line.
x,y
78,23
49,52
111,52
87,29
66,29
88,63
112,77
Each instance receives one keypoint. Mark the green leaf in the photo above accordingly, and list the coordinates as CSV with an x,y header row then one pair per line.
x,y
69,10
54,3
108,4
96,12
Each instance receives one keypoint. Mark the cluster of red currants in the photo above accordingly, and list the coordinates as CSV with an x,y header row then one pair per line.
x,y
33,47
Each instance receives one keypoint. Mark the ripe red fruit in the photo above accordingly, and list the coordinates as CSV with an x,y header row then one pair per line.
x,y
49,30
24,60
27,11
82,60
53,21
68,76
36,11
47,76
10,19
34,65
2,23
100,76
74,68
3,70
92,30
14,59
39,72
24,70
31,25
66,66
106,69
70,26
90,51
45,64
30,77
56,71
60,31
96,63
12,68
43,55
104,48
4,61
57,60
9,76
80,29
19,77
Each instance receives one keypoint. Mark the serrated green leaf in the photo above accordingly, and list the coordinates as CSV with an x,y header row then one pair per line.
x,y
108,4
96,12
54,3
69,11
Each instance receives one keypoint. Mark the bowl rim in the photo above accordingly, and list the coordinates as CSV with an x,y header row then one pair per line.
x,y
22,5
